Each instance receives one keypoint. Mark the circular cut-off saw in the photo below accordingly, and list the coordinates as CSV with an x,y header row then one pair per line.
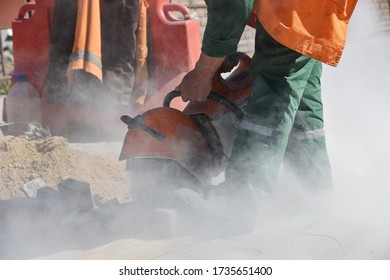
x,y
166,149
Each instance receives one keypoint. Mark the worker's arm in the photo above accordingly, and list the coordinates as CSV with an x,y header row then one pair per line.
x,y
226,21
225,25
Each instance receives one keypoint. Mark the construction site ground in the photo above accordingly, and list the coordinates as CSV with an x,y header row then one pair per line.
x,y
291,224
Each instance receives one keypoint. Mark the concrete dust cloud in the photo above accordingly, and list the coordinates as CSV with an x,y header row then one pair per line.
x,y
356,109
355,97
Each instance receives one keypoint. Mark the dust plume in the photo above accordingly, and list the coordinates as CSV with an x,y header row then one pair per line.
x,y
356,109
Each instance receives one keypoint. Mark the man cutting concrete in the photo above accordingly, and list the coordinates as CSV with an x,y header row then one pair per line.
x,y
283,120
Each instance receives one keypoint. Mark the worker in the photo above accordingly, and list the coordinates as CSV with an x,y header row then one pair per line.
x,y
284,117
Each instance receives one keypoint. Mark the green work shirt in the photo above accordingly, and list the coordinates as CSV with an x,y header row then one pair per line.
x,y
226,21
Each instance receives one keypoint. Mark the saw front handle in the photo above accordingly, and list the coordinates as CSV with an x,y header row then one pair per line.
x,y
136,122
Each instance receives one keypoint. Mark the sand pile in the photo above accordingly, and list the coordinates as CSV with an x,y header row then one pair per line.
x,y
53,160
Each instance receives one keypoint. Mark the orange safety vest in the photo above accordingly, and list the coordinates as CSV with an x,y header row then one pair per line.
x,y
316,28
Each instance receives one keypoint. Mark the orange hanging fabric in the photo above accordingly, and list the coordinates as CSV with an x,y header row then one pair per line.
x,y
86,54
314,28
141,71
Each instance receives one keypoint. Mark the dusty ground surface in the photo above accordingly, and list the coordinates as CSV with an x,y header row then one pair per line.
x,y
55,160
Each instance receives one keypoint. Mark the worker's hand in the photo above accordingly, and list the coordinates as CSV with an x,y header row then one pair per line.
x,y
196,85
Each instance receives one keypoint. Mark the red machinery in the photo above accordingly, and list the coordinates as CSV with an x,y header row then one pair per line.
x,y
175,48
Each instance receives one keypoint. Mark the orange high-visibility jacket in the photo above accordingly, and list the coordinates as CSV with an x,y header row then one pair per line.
x,y
316,28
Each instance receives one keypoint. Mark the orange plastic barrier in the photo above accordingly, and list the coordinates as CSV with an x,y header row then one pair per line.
x,y
175,48
8,10
31,39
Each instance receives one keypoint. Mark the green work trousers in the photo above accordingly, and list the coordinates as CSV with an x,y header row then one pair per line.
x,y
283,121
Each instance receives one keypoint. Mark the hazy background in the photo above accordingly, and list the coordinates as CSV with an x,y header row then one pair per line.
x,y
356,98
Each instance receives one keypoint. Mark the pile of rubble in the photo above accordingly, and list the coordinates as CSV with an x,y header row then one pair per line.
x,y
52,161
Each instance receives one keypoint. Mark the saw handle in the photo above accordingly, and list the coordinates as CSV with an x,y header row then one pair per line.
x,y
136,122
214,96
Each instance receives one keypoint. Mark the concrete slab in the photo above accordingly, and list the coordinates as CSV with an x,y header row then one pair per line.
x,y
124,249
330,239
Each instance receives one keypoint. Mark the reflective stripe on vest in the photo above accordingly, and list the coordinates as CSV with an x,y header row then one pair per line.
x,y
86,56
